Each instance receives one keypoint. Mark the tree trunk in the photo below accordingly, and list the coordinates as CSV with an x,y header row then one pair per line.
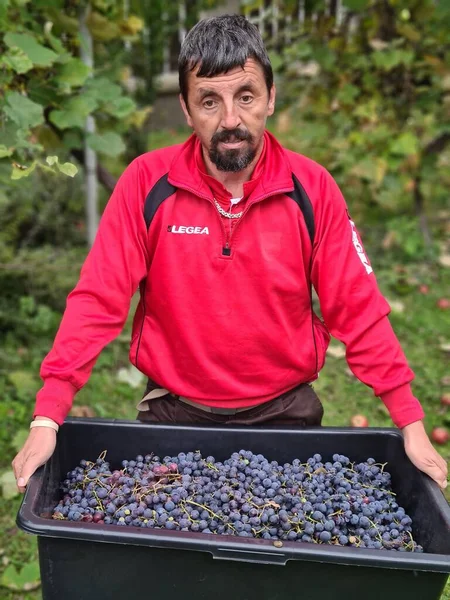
x,y
90,157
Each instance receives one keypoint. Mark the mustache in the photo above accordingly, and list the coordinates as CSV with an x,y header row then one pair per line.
x,y
231,135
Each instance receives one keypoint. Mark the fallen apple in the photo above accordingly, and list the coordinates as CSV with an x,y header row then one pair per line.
x,y
443,303
440,435
445,399
359,421
424,289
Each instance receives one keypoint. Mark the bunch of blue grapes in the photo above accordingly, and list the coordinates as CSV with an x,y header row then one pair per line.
x,y
336,502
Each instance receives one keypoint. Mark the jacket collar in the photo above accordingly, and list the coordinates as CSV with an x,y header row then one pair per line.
x,y
271,175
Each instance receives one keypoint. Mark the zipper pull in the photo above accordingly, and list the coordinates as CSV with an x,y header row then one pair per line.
x,y
226,251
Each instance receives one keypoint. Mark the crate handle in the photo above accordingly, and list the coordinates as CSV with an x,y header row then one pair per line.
x,y
267,558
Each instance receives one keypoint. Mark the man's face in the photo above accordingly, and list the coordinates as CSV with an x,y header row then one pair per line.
x,y
228,113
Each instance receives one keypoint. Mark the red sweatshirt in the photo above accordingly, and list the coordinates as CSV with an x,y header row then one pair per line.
x,y
225,316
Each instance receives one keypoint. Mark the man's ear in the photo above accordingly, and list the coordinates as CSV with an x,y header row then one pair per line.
x,y
272,96
186,111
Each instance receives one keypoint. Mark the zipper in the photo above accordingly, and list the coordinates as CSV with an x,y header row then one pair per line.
x,y
226,249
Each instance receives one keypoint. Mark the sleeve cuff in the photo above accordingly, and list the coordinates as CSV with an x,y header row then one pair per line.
x,y
54,399
403,406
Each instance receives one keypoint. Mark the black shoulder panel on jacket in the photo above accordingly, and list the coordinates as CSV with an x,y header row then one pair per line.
x,y
301,197
163,189
156,196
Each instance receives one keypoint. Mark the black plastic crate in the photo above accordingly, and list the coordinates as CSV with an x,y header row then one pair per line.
x,y
85,561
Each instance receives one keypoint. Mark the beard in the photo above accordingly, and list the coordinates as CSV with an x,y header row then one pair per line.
x,y
234,159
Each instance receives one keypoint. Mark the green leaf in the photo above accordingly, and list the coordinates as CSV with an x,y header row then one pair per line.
x,y
64,119
8,485
68,169
38,54
348,93
73,73
72,140
303,50
101,27
57,45
138,117
18,173
23,381
23,111
365,169
4,151
102,89
276,60
389,59
325,57
407,143
409,31
74,112
108,143
371,168
43,92
19,439
30,572
60,19
121,107
17,60
8,134
24,580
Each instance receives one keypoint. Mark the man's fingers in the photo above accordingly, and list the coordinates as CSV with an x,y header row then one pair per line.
x,y
31,463
17,465
38,448
438,473
444,466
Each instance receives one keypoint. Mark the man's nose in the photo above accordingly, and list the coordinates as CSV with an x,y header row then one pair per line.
x,y
230,116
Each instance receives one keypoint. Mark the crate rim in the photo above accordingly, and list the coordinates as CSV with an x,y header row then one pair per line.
x,y
228,547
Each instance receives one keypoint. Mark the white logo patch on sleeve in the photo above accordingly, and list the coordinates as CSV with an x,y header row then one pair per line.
x,y
359,248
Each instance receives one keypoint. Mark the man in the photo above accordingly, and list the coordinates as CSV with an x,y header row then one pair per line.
x,y
224,235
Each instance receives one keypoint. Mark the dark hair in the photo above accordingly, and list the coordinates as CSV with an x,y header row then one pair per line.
x,y
219,44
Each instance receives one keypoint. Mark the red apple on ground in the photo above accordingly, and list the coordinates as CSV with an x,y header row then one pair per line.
x,y
359,421
445,399
439,435
424,289
443,303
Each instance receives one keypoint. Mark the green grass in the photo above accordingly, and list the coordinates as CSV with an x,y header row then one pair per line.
x,y
421,328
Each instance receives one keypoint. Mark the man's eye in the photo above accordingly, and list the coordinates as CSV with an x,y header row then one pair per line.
x,y
208,103
247,99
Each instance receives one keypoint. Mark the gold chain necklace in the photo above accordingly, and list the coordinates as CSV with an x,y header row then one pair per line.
x,y
227,214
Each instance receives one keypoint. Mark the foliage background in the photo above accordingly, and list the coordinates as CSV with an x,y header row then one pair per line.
x,y
369,98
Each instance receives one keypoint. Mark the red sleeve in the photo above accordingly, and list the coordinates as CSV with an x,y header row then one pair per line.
x,y
97,308
355,311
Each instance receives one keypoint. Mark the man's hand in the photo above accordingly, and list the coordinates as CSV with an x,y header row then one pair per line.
x,y
37,449
422,454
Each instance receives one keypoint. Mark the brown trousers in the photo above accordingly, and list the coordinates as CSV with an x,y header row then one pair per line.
x,y
299,407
